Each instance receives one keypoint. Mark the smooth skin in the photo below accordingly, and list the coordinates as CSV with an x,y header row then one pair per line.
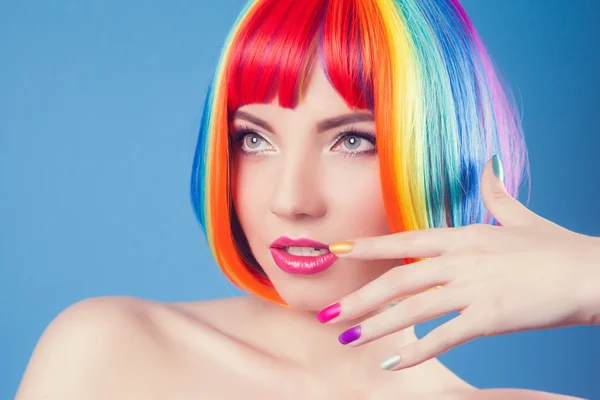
x,y
123,348
527,274
290,179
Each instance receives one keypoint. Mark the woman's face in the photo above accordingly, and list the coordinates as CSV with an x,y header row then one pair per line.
x,y
311,172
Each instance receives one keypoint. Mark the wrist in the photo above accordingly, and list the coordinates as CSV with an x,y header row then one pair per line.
x,y
589,292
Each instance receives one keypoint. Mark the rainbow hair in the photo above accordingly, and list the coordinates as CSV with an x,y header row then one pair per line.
x,y
419,65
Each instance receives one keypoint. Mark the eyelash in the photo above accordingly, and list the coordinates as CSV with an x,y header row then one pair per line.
x,y
242,131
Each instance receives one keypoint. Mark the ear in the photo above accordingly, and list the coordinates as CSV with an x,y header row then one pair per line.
x,y
506,209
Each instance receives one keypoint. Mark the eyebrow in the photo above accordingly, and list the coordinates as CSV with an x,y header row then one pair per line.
x,y
323,125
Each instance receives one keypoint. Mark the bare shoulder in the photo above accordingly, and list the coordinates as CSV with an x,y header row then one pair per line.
x,y
81,352
110,346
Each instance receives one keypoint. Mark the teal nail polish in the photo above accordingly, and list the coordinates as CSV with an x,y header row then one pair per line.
x,y
497,167
390,362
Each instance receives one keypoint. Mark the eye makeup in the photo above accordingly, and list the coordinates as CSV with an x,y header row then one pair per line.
x,y
352,133
240,134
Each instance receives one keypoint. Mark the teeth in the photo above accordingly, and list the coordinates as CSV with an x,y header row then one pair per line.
x,y
305,251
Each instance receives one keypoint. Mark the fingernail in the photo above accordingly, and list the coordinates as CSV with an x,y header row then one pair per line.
x,y
329,313
350,335
390,362
435,287
497,167
340,247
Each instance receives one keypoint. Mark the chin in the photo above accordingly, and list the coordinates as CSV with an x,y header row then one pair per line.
x,y
315,292
298,300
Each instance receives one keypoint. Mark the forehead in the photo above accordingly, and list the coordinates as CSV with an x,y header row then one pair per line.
x,y
320,95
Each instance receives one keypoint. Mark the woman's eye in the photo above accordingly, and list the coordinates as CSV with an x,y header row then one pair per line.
x,y
253,143
353,143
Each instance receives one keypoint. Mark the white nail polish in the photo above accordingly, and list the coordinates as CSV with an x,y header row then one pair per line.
x,y
390,362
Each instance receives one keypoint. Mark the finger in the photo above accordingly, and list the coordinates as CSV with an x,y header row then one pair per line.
x,y
455,332
397,283
425,243
506,209
419,308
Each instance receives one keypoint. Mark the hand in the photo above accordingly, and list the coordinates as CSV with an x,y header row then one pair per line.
x,y
527,274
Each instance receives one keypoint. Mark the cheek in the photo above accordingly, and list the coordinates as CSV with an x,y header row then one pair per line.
x,y
250,197
356,198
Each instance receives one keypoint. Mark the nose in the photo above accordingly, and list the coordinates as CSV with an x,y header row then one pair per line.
x,y
298,190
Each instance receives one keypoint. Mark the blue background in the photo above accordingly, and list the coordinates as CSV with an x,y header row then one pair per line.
x,y
99,108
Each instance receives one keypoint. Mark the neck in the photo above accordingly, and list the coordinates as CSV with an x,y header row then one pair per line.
x,y
300,339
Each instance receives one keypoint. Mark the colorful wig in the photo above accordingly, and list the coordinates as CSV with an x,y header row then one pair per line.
x,y
440,109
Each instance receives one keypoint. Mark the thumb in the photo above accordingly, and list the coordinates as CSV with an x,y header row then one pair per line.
x,y
506,209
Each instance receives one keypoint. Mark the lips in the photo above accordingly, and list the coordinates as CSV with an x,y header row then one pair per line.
x,y
304,264
283,242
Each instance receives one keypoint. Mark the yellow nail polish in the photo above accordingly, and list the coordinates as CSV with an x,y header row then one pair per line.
x,y
436,287
341,247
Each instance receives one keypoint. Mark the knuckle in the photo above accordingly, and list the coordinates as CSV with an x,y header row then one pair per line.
x,y
381,289
470,237
480,229
364,298
412,353
411,239
396,273
497,305
418,239
476,260
473,326
414,306
467,261
444,337
499,193
391,281
494,308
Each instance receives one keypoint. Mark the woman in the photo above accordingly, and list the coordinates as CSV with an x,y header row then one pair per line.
x,y
337,172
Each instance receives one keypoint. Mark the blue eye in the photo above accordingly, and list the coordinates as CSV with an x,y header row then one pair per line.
x,y
251,142
352,143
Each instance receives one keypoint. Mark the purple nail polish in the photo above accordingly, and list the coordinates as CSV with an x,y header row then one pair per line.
x,y
350,335
329,313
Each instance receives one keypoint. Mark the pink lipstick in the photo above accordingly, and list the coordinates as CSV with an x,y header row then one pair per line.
x,y
301,256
